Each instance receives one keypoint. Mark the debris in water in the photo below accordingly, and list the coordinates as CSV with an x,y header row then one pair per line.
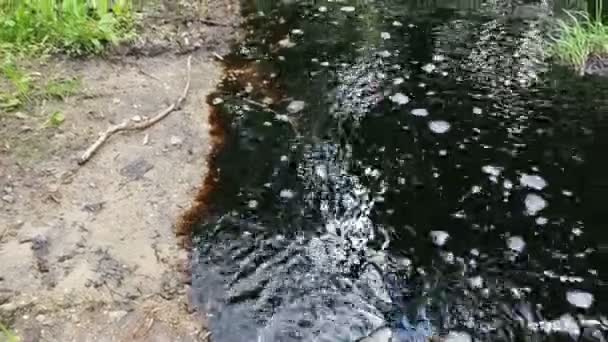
x,y
297,32
385,35
322,9
420,112
296,106
428,68
580,299
252,204
400,99
541,221
217,101
532,181
516,244
286,193
439,237
384,54
439,126
347,9
477,111
534,204
398,80
397,23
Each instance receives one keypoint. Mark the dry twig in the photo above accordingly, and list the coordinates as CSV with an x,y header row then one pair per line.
x,y
129,125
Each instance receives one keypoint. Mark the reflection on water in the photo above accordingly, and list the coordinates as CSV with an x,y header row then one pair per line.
x,y
384,158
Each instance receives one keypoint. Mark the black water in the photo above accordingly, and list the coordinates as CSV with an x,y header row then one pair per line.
x,y
327,222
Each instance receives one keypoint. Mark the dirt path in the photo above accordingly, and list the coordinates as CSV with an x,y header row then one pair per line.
x,y
90,253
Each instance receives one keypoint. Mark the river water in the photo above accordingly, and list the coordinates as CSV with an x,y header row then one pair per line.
x,y
380,157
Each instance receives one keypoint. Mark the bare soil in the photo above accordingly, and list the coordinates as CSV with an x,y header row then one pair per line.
x,y
90,253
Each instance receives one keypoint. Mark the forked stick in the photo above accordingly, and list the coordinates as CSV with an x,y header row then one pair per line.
x,y
129,125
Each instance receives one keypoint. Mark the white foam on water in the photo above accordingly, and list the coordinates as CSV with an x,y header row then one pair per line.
x,y
439,126
400,99
458,336
516,244
287,193
286,43
296,106
428,68
476,282
535,182
321,171
420,112
385,35
580,299
347,9
491,170
439,237
534,204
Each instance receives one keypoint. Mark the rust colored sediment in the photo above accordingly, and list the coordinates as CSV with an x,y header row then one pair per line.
x,y
200,204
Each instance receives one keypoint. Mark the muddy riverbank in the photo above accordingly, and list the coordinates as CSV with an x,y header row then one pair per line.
x,y
90,253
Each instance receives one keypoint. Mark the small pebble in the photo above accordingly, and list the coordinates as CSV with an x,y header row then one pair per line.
x,y
175,140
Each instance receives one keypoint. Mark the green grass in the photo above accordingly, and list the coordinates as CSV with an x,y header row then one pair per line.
x,y
7,335
19,88
74,27
579,37
35,29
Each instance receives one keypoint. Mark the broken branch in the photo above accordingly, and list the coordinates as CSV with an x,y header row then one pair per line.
x,y
129,125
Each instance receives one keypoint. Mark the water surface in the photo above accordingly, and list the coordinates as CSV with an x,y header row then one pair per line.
x,y
382,156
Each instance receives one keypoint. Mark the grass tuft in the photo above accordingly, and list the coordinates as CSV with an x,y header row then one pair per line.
x,y
578,38
74,27
7,335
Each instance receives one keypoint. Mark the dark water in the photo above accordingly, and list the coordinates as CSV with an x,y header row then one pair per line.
x,y
389,129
